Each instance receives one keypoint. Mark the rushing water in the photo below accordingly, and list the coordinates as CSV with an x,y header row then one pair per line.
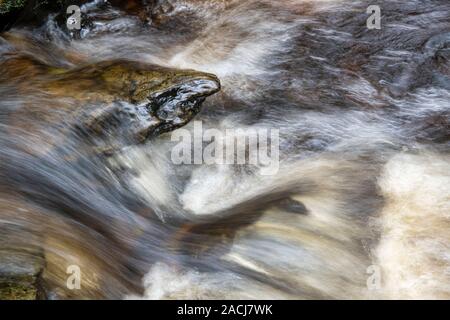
x,y
364,173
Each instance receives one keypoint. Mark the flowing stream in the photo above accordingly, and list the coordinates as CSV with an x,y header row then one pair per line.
x,y
357,207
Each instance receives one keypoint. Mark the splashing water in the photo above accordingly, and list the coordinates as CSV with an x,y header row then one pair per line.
x,y
363,179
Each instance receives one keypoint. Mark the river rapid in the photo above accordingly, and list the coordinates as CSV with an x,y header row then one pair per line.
x,y
357,208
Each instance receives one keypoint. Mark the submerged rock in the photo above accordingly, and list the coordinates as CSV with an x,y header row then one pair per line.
x,y
59,116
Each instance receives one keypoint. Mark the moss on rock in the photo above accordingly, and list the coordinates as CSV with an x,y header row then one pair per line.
x,y
18,288
19,273
7,6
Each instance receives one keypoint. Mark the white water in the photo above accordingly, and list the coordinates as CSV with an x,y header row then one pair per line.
x,y
363,152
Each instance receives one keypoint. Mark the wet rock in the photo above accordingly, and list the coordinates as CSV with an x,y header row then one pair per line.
x,y
21,257
19,275
75,112
29,12
127,100
11,5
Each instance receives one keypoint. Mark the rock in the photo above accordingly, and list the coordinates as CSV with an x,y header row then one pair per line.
x,y
11,5
14,11
84,108
19,273
21,254
128,100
